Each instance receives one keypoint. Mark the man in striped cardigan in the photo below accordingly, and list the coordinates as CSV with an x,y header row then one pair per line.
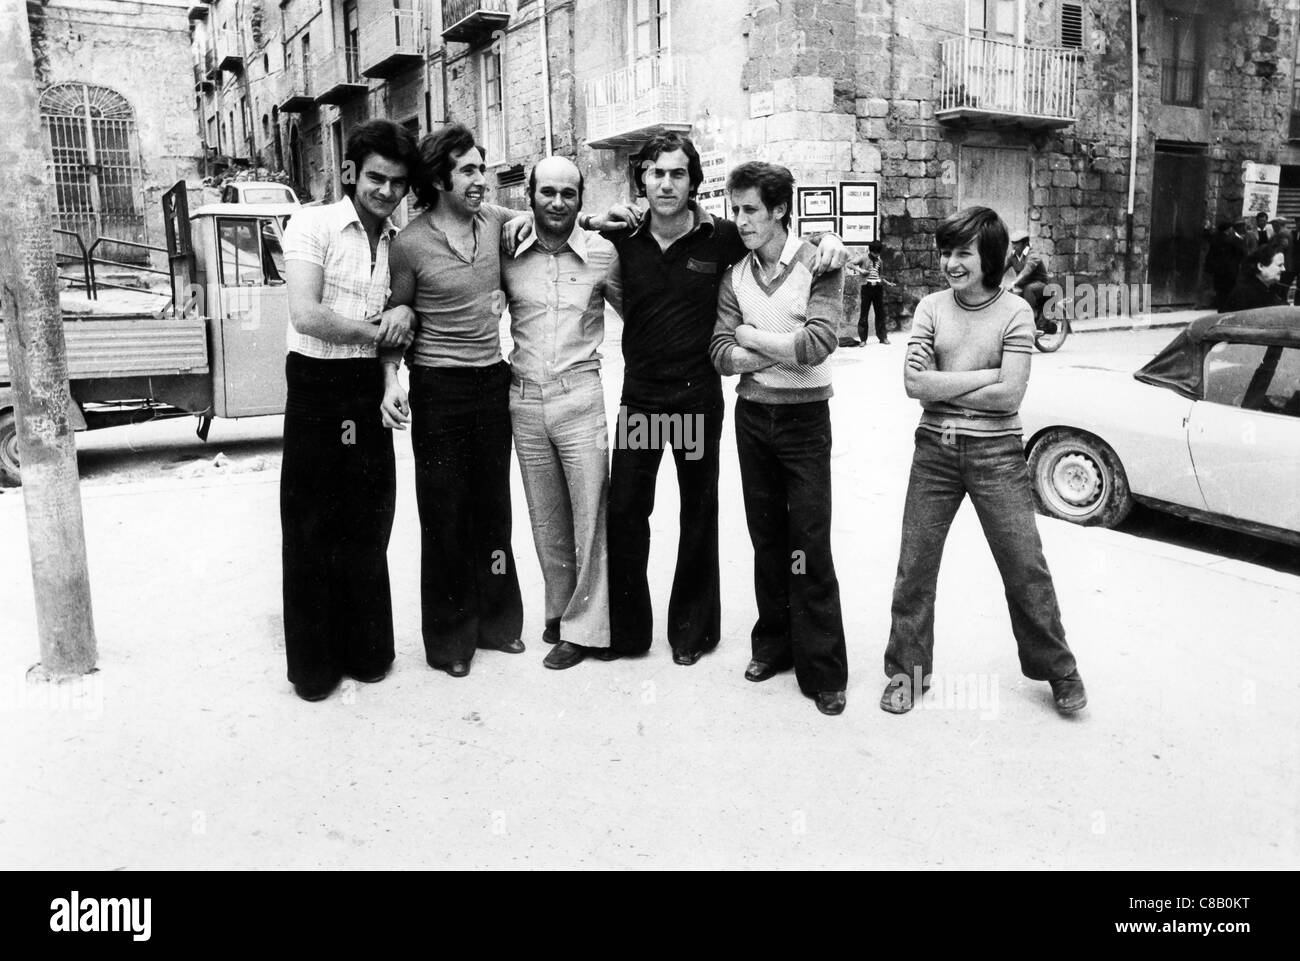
x,y
776,327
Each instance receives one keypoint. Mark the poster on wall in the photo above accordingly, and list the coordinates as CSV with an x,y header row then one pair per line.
x,y
1261,188
816,225
857,197
816,201
858,228
712,195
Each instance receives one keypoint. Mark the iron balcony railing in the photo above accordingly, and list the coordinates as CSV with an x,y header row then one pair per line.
x,y
1180,83
296,93
648,94
999,77
338,76
464,20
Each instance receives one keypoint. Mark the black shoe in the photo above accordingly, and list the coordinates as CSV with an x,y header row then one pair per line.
x,y
1069,694
760,671
456,668
551,635
564,655
604,653
314,693
884,340
514,646
831,702
374,678
897,696
686,658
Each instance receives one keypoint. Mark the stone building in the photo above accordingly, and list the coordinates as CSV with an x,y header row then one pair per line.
x,y
1026,105
118,137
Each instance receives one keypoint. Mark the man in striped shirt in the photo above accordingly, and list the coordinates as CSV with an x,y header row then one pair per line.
x,y
776,328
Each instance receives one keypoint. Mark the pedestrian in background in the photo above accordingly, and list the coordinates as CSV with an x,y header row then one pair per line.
x,y
968,364
869,267
1257,284
1284,240
1223,261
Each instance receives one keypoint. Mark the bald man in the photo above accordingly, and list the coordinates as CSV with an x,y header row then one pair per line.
x,y
557,284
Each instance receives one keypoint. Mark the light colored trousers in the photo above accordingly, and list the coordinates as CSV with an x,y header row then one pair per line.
x,y
562,444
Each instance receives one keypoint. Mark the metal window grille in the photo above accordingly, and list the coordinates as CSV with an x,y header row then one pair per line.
x,y
94,170
1180,83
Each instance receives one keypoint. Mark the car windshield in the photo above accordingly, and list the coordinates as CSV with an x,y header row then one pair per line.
x,y
267,195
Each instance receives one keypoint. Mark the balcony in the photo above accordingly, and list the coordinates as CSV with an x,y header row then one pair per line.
x,y
629,106
399,46
993,83
338,77
473,21
203,73
229,57
197,11
296,94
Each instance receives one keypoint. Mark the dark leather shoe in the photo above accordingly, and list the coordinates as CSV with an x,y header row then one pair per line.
x,y
564,655
604,653
831,702
313,693
686,658
457,668
897,696
374,678
551,634
1069,694
760,671
884,340
515,646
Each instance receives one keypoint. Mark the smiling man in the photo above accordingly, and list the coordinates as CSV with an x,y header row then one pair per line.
x,y
446,265
557,284
671,265
776,327
337,480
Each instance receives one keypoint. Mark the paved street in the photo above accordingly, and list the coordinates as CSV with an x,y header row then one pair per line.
x,y
188,748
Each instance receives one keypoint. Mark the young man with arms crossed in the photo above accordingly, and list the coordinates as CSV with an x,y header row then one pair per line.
x,y
446,266
672,263
337,480
776,327
557,284
968,364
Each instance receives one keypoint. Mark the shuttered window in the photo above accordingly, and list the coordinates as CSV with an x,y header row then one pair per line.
x,y
1072,25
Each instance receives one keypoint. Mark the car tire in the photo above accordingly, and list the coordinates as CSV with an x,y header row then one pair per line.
x,y
1078,478
9,473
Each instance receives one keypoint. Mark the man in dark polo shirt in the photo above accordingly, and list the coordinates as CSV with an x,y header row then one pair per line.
x,y
672,263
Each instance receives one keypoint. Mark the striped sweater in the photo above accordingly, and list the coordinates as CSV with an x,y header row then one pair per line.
x,y
793,301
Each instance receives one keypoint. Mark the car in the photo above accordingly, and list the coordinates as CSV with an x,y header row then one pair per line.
x,y
1209,429
257,192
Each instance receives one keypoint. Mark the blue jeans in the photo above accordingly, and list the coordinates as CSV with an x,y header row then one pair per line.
x,y
945,468
562,445
785,472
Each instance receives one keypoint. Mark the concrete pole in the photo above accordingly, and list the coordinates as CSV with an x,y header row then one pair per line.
x,y
33,327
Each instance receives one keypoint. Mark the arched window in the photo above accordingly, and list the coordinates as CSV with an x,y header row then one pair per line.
x,y
95,164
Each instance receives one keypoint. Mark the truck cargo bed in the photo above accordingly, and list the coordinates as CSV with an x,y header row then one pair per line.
x,y
129,346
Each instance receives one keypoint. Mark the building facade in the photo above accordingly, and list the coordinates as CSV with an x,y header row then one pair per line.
x,y
1115,132
117,136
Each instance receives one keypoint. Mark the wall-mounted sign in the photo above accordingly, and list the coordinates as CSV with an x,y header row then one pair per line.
x,y
858,228
816,225
816,201
712,195
762,103
857,197
1261,188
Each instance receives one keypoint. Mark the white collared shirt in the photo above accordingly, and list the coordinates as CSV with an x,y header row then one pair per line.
x,y
332,238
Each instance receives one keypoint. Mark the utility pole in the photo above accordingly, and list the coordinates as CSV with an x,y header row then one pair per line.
x,y
33,329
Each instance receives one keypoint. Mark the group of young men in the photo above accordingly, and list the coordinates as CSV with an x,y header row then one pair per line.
x,y
700,297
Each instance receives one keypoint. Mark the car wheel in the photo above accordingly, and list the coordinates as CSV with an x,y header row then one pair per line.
x,y
1078,478
9,475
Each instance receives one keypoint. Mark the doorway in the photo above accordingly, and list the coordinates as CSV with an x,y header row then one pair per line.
x,y
1177,218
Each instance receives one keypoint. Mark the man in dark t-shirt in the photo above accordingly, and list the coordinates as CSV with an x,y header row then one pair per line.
x,y
672,263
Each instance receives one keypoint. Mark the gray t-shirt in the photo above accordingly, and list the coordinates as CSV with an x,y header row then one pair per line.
x,y
456,296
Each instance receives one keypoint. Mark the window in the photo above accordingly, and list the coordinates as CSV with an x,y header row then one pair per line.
x,y
241,254
1254,377
1180,60
649,28
494,128
993,19
1072,25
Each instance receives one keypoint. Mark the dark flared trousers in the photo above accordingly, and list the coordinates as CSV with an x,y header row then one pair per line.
x,y
873,298
337,491
695,604
992,470
460,433
785,472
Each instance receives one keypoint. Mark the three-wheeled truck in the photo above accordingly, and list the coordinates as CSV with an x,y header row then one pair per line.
x,y
217,352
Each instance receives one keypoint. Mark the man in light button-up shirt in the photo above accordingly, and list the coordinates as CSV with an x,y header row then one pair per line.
x,y
557,284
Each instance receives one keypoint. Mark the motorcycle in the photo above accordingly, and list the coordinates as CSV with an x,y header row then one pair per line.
x,y
1049,331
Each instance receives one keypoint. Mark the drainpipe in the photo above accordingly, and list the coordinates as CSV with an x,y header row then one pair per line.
x,y
1132,143
546,78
